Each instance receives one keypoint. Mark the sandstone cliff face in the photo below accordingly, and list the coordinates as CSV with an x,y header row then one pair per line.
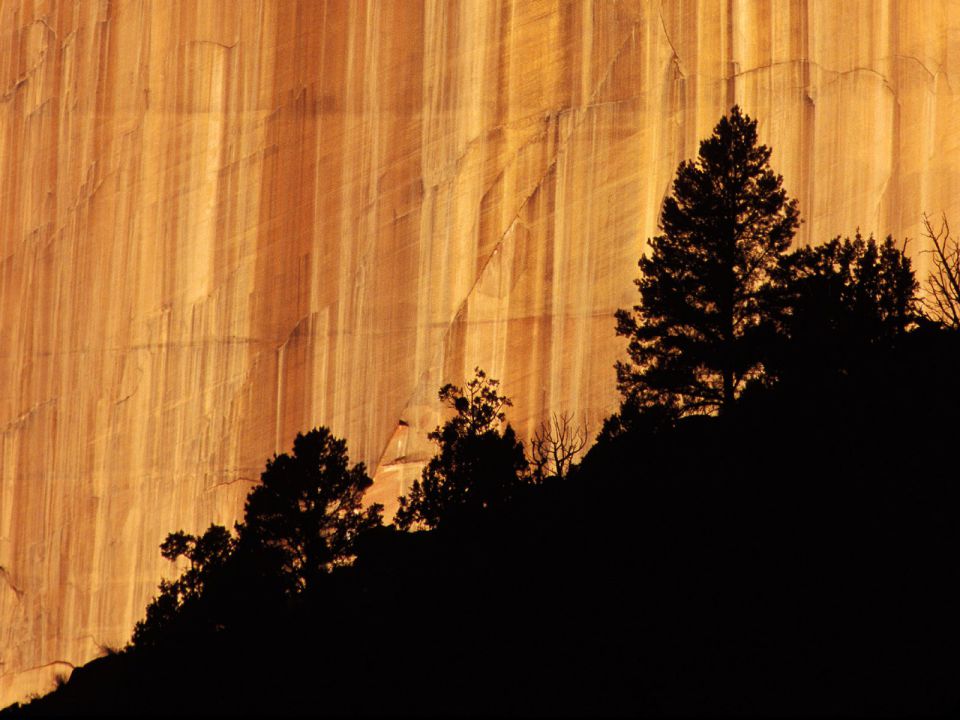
x,y
225,222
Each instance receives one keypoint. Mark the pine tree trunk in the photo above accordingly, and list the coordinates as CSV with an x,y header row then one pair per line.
x,y
727,391
730,281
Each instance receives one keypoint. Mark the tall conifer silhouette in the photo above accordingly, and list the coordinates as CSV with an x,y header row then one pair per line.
x,y
723,227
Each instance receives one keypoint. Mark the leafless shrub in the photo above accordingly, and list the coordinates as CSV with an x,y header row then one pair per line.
x,y
554,446
941,302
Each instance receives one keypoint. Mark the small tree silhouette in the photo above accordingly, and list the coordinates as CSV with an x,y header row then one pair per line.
x,y
307,513
477,466
208,555
834,302
701,288
301,522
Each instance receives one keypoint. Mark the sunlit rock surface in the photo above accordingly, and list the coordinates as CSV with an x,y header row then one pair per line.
x,y
225,222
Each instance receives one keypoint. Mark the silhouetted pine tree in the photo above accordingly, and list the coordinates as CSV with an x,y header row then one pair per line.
x,y
724,227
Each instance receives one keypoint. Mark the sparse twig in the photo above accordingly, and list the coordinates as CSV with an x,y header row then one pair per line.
x,y
941,302
554,446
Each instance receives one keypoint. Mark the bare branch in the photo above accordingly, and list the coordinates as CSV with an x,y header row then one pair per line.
x,y
555,445
942,300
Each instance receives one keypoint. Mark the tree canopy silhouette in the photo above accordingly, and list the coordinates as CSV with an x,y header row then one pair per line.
x,y
834,302
725,224
307,512
477,465
208,555
303,520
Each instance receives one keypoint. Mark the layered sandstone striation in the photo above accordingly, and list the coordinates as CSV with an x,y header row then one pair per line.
x,y
225,222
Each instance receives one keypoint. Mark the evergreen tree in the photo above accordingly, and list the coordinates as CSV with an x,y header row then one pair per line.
x,y
181,601
836,303
477,466
308,511
303,520
723,227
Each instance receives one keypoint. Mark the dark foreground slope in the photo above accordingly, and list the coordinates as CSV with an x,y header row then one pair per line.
x,y
796,558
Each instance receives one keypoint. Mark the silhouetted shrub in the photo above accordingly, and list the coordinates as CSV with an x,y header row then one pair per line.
x,y
835,302
477,466
208,554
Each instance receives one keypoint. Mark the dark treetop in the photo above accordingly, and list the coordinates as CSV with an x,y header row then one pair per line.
x,y
702,285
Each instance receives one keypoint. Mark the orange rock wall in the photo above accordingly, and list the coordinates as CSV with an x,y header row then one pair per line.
x,y
225,222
